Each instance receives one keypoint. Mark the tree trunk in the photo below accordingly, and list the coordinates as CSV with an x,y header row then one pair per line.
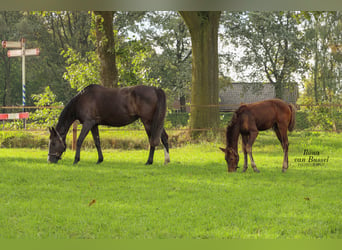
x,y
106,48
182,102
203,27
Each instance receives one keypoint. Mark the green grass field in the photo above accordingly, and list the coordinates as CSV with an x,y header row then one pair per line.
x,y
192,197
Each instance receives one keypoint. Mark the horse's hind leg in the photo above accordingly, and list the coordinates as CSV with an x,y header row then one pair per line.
x,y
164,139
96,137
147,126
282,137
150,156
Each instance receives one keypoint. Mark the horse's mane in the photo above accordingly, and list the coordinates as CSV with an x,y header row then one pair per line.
x,y
69,110
234,124
67,116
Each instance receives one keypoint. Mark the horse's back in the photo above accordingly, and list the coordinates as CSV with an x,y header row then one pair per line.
x,y
115,106
265,114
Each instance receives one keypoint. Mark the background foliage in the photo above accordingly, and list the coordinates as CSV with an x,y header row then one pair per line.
x,y
154,48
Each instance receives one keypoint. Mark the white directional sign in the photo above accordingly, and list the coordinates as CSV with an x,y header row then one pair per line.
x,y
11,44
19,52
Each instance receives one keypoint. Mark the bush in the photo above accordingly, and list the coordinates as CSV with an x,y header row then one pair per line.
x,y
23,140
45,116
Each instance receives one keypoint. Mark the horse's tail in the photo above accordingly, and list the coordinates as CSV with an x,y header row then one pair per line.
x,y
158,118
293,117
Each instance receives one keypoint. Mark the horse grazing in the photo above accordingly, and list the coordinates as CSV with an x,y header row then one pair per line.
x,y
96,105
248,120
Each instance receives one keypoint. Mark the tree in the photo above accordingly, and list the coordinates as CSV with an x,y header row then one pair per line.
x,y
172,64
272,46
323,33
55,32
106,47
203,27
323,86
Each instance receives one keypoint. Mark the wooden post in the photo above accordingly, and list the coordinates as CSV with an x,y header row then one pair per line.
x,y
74,135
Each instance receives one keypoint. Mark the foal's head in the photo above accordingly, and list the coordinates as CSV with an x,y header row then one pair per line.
x,y
232,159
57,146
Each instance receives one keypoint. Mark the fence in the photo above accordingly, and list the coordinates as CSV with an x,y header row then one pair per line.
x,y
177,120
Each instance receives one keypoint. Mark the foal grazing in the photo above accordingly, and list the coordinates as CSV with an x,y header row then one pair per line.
x,y
248,120
97,105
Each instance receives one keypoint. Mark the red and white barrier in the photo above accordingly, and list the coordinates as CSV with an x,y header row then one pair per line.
x,y
14,116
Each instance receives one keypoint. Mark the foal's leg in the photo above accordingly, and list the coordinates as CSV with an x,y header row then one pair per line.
x,y
244,142
84,132
96,137
282,137
164,139
252,136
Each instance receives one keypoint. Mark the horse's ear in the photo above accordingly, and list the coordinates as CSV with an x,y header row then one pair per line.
x,y
223,150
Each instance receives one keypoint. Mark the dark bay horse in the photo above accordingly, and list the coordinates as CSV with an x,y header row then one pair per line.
x,y
96,105
248,120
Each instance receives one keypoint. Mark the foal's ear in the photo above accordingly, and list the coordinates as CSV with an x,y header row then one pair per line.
x,y
223,150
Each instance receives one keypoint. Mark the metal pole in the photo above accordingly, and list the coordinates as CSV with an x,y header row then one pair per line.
x,y
23,70
23,76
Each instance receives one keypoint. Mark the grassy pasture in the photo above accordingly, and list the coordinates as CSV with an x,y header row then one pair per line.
x,y
192,197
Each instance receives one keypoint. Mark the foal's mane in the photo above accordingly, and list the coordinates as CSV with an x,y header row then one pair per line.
x,y
234,125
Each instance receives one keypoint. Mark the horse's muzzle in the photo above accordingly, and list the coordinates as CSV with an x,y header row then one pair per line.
x,y
53,159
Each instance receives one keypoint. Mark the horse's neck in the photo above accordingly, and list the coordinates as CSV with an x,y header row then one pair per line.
x,y
64,122
233,135
63,128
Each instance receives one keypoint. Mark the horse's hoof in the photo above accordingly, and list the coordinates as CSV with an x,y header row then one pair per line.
x,y
99,161
244,170
284,170
75,162
256,171
148,163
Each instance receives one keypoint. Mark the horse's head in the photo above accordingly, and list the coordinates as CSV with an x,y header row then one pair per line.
x,y
232,159
57,146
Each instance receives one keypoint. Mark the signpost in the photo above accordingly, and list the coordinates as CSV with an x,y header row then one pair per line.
x,y
22,52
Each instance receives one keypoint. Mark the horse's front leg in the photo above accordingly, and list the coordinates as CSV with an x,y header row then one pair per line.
x,y
96,137
244,142
84,132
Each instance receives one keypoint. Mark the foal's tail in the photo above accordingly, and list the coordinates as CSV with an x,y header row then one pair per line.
x,y
158,117
293,117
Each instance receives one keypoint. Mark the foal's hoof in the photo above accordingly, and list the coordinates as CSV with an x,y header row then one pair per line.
x,y
148,163
256,170
284,170
99,161
76,161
